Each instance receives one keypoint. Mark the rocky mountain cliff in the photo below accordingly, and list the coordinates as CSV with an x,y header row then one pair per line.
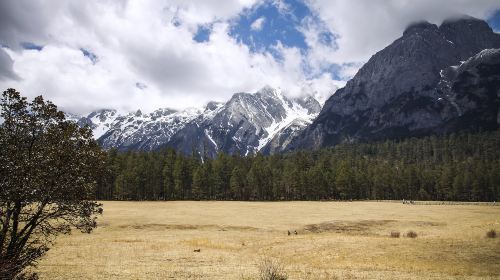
x,y
248,123
432,80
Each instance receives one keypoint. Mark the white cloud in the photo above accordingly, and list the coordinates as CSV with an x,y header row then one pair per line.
x,y
321,52
282,6
258,24
322,87
137,42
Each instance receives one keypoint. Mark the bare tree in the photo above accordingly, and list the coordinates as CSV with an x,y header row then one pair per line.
x,y
48,171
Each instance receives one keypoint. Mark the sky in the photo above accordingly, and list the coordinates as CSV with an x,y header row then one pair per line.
x,y
150,54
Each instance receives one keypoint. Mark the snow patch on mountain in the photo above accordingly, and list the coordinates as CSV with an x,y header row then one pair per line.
x,y
102,121
294,113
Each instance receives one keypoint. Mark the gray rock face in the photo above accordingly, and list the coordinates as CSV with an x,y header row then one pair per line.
x,y
397,92
469,35
282,140
471,93
246,124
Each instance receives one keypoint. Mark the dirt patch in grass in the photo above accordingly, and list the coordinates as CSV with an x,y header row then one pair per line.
x,y
427,224
132,240
210,243
187,227
363,227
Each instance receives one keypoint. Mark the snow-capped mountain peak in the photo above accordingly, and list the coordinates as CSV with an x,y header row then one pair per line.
x,y
245,124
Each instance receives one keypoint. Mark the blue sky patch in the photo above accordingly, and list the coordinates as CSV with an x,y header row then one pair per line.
x,y
266,27
494,21
31,46
280,23
176,21
90,55
327,38
202,34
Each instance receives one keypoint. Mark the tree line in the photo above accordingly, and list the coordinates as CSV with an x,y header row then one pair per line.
x,y
464,167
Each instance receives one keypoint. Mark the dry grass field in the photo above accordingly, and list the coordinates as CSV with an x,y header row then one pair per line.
x,y
335,240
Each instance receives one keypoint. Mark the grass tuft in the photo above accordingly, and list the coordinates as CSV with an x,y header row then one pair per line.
x,y
271,270
411,234
395,234
491,233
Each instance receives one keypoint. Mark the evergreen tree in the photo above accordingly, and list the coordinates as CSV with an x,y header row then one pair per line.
x,y
200,180
168,174
237,184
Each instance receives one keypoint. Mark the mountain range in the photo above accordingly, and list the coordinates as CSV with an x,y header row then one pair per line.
x,y
433,80
264,121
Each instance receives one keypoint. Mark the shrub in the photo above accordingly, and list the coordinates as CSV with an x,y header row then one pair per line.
x,y
411,234
271,270
395,234
491,234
